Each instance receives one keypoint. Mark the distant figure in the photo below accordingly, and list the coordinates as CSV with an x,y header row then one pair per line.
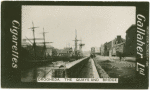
x,y
91,56
120,56
123,56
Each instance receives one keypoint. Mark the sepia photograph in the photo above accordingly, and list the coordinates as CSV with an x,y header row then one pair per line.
x,y
78,42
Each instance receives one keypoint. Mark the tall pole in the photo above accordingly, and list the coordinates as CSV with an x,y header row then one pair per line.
x,y
76,43
44,51
44,43
34,44
34,47
45,48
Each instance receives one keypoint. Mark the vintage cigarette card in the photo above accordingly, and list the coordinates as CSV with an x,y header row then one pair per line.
x,y
53,44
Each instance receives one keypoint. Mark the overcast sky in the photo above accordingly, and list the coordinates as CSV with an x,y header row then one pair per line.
x,y
95,25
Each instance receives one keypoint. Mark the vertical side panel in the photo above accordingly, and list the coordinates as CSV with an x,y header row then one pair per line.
x,y
11,43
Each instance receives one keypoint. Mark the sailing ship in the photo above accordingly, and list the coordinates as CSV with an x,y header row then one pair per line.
x,y
36,53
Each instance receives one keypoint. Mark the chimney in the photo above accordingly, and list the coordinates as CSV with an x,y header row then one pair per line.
x,y
119,38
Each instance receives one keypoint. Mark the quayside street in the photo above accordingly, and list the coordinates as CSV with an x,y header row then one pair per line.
x,y
124,69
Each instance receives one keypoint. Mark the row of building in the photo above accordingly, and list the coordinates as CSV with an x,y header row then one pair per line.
x,y
117,46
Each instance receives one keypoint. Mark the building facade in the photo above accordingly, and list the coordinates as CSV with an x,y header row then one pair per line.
x,y
126,47
114,47
102,50
131,41
118,46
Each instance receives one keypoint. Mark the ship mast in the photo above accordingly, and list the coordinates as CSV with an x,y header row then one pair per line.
x,y
76,43
45,43
34,44
34,47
